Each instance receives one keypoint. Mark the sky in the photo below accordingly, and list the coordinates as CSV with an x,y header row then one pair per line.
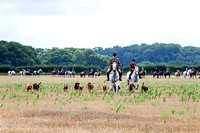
x,y
104,23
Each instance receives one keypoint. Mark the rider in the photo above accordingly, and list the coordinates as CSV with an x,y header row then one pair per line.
x,y
114,59
167,69
132,68
156,70
160,69
91,71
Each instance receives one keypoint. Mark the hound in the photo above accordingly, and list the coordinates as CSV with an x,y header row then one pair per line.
x,y
36,86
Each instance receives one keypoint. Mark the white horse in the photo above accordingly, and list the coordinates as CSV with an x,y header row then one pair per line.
x,y
37,72
134,77
70,73
114,77
23,72
186,74
97,74
11,73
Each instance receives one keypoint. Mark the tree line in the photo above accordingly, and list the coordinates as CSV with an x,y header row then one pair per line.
x,y
173,54
14,54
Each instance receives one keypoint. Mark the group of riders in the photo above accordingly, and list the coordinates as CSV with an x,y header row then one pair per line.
x,y
111,61
114,59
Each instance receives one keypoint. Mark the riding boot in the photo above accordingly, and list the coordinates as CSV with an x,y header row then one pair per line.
x,y
108,76
120,76
130,75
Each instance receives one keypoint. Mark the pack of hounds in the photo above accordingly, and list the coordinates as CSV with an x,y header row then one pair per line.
x,y
79,87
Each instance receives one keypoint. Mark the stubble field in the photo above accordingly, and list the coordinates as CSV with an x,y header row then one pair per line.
x,y
170,105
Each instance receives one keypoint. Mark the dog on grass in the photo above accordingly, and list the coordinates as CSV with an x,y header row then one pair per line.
x,y
78,87
36,86
28,87
90,87
65,87
104,88
144,88
131,86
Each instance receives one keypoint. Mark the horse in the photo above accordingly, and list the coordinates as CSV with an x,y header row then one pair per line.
x,y
134,77
143,73
167,73
23,72
114,78
37,72
186,74
177,74
158,73
193,74
91,74
97,74
11,73
54,72
83,73
62,72
70,73
28,72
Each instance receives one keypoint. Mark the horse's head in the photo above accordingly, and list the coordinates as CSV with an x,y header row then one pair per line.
x,y
114,66
40,70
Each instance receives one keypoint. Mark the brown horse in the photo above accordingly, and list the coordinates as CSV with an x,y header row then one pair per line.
x,y
54,72
83,73
143,73
177,74
91,74
193,74
158,73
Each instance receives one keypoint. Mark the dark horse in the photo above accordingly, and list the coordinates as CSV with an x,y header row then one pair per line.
x,y
62,72
54,72
158,73
193,74
143,73
83,73
167,73
91,74
28,72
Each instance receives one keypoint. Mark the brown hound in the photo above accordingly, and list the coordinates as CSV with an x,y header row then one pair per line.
x,y
65,87
28,87
144,88
104,88
131,86
36,86
90,87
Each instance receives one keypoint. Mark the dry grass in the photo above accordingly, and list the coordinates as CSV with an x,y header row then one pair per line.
x,y
96,112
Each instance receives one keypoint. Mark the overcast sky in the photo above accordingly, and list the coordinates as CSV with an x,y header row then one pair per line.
x,y
105,23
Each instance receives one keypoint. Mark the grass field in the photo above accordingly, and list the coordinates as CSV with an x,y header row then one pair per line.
x,y
170,105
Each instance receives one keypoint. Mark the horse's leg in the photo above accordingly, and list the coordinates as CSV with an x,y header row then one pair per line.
x,y
111,87
117,84
133,85
128,81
